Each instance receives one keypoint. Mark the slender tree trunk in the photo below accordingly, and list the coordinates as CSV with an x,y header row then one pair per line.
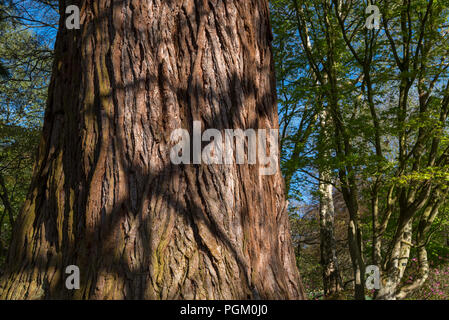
x,y
377,232
396,261
331,274
356,253
105,195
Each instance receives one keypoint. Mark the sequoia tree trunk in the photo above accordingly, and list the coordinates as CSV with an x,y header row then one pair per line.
x,y
105,195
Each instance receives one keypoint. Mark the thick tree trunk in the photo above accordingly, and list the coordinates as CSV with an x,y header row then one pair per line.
x,y
105,195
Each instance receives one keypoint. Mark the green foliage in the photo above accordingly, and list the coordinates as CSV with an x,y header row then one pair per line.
x,y
385,94
22,100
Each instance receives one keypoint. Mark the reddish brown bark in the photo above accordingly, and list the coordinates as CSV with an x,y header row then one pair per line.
x,y
105,195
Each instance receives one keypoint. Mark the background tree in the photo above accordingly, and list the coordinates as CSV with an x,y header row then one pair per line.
x,y
27,56
309,75
386,95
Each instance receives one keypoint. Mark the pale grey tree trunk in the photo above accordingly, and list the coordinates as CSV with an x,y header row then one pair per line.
x,y
328,245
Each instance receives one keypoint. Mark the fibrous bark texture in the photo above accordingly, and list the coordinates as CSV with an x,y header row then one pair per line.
x,y
105,195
